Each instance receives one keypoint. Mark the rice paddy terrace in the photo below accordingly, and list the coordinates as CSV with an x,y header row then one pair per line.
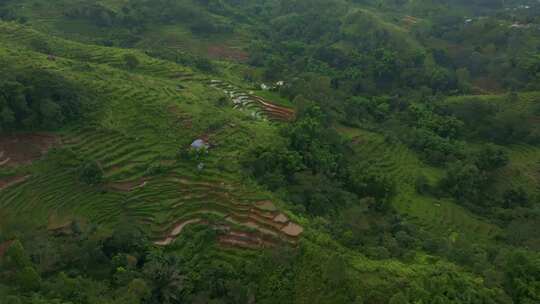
x,y
162,203
184,102
143,118
404,167
258,106
147,114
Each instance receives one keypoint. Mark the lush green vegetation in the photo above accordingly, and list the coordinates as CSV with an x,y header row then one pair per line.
x,y
269,151
36,99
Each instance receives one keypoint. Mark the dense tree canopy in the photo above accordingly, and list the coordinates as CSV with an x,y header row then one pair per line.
x,y
32,99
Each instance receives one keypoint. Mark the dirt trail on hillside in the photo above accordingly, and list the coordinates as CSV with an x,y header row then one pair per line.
x,y
12,180
129,185
176,232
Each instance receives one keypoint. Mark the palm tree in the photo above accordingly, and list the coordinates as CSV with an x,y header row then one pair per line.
x,y
167,278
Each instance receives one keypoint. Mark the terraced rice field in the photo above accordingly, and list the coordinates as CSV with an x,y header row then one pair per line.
x,y
91,54
258,106
150,100
404,167
160,203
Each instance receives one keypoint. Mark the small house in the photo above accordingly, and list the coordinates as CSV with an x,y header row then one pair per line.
x,y
200,144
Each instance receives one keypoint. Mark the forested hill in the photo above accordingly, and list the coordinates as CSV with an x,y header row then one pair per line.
x,y
269,151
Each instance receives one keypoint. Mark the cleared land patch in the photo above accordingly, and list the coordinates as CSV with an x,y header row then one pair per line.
x,y
227,53
176,232
12,180
23,149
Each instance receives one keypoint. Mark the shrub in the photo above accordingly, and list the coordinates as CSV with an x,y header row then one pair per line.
x,y
139,288
422,185
222,102
204,64
371,184
40,45
434,149
16,257
377,252
28,279
155,169
464,181
491,157
399,298
13,300
91,173
273,165
131,61
515,198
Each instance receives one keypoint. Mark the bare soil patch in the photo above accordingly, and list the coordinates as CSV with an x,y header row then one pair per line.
x,y
176,232
181,119
281,218
227,53
234,238
486,85
128,186
12,180
23,149
292,229
266,206
4,247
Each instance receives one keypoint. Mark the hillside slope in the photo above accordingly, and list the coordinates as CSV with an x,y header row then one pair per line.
x,y
268,151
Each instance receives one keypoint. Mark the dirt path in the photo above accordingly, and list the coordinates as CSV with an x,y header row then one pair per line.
x,y
176,232
128,186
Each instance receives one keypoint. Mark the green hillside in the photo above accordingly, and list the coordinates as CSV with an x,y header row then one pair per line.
x,y
268,151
